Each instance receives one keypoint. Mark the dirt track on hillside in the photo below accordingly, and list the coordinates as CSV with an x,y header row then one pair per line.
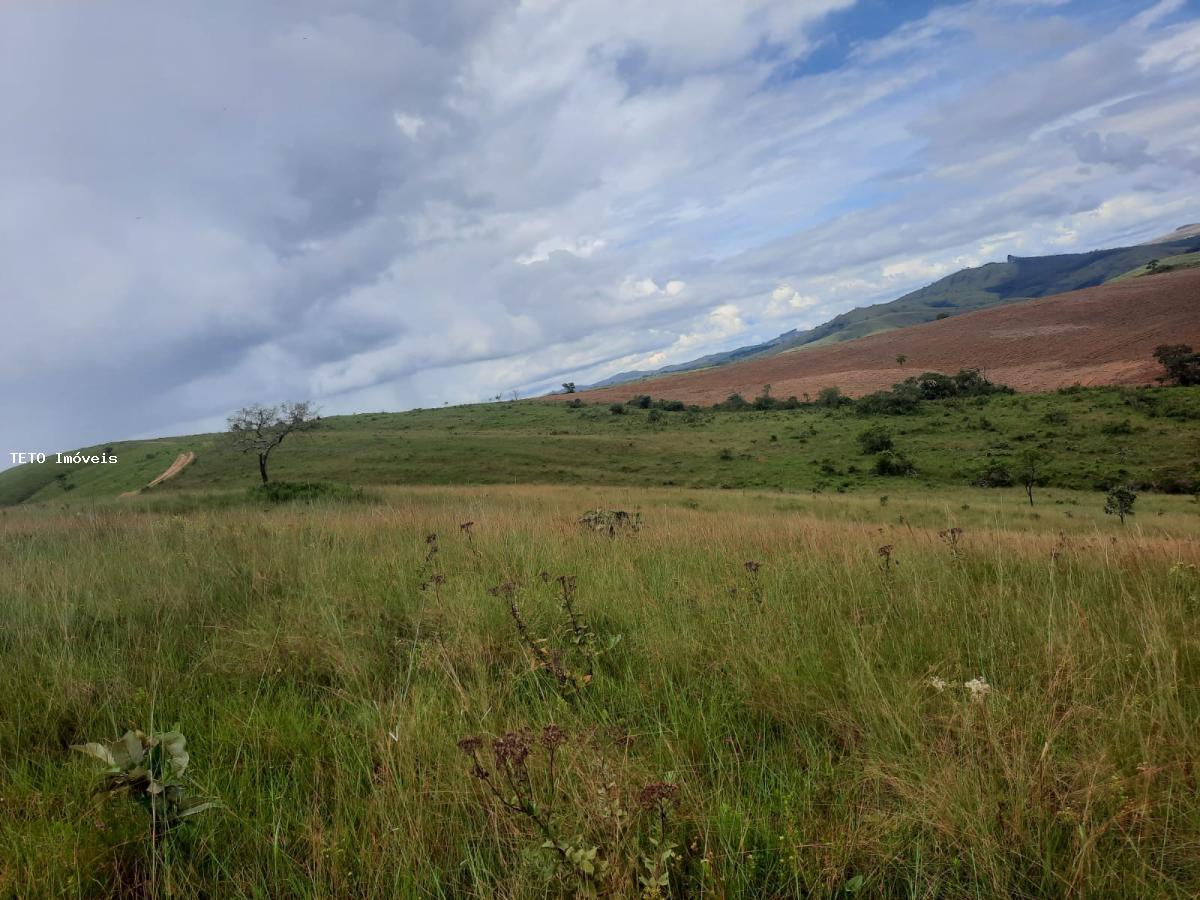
x,y
1100,335
182,461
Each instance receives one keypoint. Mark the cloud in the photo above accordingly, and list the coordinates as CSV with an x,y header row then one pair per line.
x,y
386,204
1125,151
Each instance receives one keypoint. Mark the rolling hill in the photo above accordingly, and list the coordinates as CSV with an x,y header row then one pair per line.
x,y
993,284
1099,335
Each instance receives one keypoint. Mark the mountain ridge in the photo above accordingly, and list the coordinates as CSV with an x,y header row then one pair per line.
x,y
978,287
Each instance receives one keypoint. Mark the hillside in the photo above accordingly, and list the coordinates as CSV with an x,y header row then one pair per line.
x,y
1101,335
1091,437
993,284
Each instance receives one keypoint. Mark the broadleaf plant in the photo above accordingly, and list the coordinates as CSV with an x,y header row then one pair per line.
x,y
149,769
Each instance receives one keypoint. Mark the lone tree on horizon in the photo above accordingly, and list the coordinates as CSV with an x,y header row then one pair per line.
x,y
260,429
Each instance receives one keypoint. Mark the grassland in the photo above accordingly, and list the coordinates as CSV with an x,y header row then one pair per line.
x,y
763,692
1089,438
324,666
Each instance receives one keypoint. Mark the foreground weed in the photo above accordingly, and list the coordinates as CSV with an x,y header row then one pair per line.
x,y
611,521
952,538
596,850
148,769
572,674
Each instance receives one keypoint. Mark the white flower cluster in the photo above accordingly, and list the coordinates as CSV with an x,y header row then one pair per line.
x,y
977,688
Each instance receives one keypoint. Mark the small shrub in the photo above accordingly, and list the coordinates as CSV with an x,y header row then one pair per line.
x,y
303,492
1119,502
875,440
611,521
832,398
893,463
995,474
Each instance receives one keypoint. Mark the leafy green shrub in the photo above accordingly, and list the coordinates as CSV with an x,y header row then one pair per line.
x,y
1119,502
875,439
303,492
995,474
1176,479
617,409
893,462
902,400
832,397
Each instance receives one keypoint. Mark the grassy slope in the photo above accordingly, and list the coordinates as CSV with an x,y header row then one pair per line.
x,y
530,442
1166,264
323,691
139,462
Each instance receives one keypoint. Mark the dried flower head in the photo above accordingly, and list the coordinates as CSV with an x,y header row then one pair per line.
x,y
552,737
658,794
978,689
938,684
470,745
512,749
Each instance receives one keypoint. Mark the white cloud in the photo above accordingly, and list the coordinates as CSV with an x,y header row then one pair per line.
x,y
785,300
410,126
381,204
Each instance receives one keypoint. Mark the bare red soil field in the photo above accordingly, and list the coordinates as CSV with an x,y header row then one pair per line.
x,y
1096,336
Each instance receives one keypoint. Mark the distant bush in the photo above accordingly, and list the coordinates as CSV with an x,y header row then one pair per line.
x,y
303,492
1114,428
1181,364
617,409
905,397
893,462
875,440
641,401
995,474
670,405
831,398
575,404
732,403
1176,479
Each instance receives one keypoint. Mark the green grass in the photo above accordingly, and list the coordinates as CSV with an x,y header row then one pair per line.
x,y
1090,438
1166,264
324,664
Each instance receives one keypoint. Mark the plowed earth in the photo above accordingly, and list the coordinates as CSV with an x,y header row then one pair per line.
x,y
1096,336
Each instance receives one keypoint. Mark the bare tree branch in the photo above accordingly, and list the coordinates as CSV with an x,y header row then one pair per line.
x,y
260,429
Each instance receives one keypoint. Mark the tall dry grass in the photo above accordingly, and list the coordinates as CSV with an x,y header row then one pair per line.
x,y
811,711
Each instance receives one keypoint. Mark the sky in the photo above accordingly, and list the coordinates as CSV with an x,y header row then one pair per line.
x,y
381,205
